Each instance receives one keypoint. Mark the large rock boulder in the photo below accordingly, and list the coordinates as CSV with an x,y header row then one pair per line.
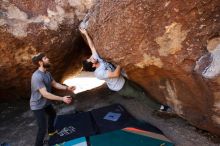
x,y
171,48
28,27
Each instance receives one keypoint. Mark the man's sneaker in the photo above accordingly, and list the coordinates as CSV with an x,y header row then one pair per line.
x,y
52,133
164,112
165,108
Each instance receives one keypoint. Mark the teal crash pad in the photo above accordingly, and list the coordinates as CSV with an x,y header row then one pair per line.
x,y
124,138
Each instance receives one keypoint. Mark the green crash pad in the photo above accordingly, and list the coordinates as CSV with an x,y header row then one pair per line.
x,y
129,138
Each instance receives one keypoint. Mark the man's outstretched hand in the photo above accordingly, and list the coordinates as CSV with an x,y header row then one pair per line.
x,y
71,88
67,99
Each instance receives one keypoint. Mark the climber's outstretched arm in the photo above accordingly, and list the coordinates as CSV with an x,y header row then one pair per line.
x,y
89,40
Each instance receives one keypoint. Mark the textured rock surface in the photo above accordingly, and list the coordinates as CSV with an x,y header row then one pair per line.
x,y
171,48
28,27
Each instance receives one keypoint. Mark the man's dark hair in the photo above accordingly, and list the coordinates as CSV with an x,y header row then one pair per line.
x,y
38,57
87,66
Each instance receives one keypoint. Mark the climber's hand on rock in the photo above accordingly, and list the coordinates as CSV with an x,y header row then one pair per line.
x,y
83,30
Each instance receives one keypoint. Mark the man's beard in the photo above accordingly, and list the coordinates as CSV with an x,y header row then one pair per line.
x,y
46,65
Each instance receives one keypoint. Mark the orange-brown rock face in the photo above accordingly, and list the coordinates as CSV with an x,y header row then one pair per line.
x,y
28,27
171,48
